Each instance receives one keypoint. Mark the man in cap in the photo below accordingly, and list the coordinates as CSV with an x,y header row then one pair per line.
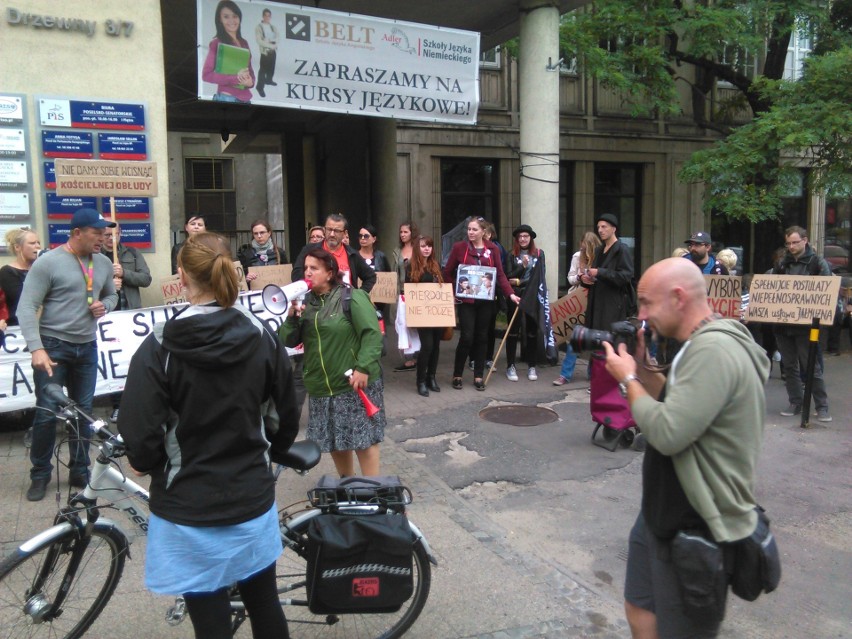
x,y
698,245
73,286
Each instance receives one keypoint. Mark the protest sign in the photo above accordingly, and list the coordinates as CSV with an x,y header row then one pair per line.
x,y
567,312
173,291
475,282
278,274
241,276
792,299
724,294
429,305
118,335
385,290
105,178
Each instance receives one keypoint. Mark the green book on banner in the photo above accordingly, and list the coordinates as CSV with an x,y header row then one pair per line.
x,y
231,60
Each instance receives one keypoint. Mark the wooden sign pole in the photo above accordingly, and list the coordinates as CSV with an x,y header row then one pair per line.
x,y
505,335
114,230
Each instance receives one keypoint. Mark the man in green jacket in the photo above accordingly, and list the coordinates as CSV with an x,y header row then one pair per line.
x,y
703,433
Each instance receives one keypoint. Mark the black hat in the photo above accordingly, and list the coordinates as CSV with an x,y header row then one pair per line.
x,y
89,217
609,218
524,228
699,238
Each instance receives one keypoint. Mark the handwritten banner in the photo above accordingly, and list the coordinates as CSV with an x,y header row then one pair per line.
x,y
278,274
385,289
567,312
105,178
429,305
173,291
725,294
119,334
792,299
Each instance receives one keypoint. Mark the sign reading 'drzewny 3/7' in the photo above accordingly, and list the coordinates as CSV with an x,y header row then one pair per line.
x,y
329,61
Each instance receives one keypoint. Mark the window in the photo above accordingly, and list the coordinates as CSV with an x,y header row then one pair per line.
x,y
468,187
801,43
490,59
209,189
742,61
618,190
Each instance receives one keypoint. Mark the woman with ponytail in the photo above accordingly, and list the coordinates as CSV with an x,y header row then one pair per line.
x,y
192,416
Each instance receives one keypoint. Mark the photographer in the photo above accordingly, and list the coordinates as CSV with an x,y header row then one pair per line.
x,y
703,433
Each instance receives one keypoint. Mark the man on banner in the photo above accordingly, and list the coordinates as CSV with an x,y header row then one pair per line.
x,y
535,303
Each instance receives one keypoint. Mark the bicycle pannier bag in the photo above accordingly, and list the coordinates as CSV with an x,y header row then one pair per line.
x,y
359,563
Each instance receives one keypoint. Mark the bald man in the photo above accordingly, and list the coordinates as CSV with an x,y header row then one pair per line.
x,y
704,425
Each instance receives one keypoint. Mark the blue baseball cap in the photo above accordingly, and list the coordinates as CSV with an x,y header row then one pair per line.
x,y
89,217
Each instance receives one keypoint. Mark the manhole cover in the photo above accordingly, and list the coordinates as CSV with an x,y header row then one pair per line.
x,y
519,415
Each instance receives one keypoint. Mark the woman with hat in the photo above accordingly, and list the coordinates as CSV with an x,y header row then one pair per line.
x,y
519,267
609,279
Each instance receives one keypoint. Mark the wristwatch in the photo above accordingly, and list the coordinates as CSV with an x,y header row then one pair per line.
x,y
622,385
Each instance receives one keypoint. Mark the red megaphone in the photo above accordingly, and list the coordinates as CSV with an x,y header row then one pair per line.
x,y
369,406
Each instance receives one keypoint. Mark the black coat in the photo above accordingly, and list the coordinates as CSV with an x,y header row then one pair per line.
x,y
610,297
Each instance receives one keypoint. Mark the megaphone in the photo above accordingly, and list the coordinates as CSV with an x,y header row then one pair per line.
x,y
277,299
369,406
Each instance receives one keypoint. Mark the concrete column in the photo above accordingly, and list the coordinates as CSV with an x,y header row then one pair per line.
x,y
539,117
383,178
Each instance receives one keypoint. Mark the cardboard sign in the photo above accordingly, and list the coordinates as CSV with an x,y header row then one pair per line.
x,y
241,276
105,178
725,294
792,299
429,305
567,312
385,291
278,274
475,282
173,291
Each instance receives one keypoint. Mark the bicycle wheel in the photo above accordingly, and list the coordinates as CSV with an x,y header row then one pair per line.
x,y
303,623
30,581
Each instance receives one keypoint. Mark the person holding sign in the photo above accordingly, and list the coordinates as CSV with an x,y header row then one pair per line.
x,y
792,339
228,61
73,287
336,342
423,267
193,415
519,267
474,314
262,251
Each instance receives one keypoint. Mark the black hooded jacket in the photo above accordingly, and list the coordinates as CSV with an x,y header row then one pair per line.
x,y
193,410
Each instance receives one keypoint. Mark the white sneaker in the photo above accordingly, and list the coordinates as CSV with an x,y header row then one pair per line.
x,y
532,375
512,374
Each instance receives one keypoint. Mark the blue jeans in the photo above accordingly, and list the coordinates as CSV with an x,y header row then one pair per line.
x,y
76,369
569,363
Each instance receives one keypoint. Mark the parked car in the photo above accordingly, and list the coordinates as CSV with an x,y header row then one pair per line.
x,y
837,258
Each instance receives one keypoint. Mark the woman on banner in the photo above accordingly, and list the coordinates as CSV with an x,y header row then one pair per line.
x,y
338,341
401,256
233,86
580,262
261,251
519,268
195,224
423,267
474,314
192,416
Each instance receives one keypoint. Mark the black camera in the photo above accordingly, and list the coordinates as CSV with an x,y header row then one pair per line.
x,y
624,332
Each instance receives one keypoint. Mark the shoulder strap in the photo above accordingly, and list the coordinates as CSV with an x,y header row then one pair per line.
x,y
346,302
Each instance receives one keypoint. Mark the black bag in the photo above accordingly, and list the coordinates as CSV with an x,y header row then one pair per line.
x,y
756,563
359,563
699,565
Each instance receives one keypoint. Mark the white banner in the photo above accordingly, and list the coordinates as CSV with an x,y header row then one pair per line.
x,y
330,61
119,335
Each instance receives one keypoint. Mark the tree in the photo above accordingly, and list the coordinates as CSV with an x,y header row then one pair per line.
x,y
645,48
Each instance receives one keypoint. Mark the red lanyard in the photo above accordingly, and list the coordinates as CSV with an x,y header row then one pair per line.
x,y
88,274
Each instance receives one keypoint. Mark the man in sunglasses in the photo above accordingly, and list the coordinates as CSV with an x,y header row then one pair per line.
x,y
698,246
349,261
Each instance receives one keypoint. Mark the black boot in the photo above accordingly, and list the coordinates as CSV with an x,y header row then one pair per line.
x,y
422,390
432,384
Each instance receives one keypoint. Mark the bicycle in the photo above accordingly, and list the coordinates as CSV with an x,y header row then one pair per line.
x,y
58,582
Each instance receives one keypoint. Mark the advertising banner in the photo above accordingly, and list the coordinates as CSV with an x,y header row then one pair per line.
x,y
119,334
305,58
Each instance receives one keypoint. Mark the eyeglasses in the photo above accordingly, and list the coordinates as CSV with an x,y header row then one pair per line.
x,y
364,236
696,244
793,242
335,231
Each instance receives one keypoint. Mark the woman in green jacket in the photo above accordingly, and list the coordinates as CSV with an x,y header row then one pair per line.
x,y
336,340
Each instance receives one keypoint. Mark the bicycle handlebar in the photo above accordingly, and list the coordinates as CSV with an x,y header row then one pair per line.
x,y
54,393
